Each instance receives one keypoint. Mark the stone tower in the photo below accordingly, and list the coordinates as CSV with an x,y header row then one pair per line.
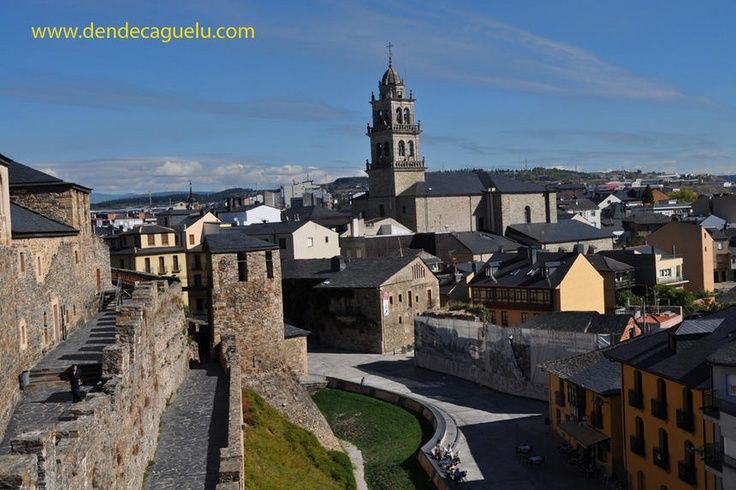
x,y
396,163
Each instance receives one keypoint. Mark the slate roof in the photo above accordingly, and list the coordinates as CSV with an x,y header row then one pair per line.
x,y
591,370
148,229
565,231
290,331
698,326
470,182
647,218
607,264
231,240
481,242
320,215
358,273
24,176
26,223
274,228
578,205
724,356
579,321
517,270
686,364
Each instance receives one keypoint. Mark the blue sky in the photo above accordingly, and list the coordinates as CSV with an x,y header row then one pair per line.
x,y
577,84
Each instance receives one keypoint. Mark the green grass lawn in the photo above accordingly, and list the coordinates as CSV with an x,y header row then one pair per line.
x,y
388,436
281,455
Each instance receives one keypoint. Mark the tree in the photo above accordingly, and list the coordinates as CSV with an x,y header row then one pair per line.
x,y
648,196
684,195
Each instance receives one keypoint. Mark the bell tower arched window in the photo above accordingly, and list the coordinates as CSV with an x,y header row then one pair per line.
x,y
407,119
402,149
527,214
398,115
378,150
411,148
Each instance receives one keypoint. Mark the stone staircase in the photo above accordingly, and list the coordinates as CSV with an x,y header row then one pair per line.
x,y
91,374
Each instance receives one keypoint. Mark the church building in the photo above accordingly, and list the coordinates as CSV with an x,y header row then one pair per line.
x,y
400,186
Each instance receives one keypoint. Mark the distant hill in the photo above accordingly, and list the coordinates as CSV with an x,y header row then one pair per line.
x,y
159,199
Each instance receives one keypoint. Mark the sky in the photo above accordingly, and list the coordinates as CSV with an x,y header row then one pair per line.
x,y
574,84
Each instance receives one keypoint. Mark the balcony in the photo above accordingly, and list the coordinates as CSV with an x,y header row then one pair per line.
x,y
672,280
686,472
624,282
390,163
685,420
399,128
714,457
659,408
661,458
637,446
636,399
560,398
596,420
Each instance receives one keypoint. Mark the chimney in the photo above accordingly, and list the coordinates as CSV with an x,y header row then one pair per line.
x,y
356,227
579,248
337,264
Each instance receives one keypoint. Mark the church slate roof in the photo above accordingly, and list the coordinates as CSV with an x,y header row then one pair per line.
x,y
481,242
607,264
24,176
470,182
234,240
26,223
518,270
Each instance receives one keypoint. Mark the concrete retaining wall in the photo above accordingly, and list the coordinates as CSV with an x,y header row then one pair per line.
x,y
502,358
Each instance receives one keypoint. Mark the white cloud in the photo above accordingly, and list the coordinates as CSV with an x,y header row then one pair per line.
x,y
179,169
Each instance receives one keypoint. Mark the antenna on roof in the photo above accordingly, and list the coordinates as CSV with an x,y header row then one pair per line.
x,y
390,53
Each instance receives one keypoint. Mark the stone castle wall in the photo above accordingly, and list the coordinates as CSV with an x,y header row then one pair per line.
x,y
107,440
62,203
55,291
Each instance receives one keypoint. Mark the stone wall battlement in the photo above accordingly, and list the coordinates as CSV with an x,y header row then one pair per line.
x,y
108,439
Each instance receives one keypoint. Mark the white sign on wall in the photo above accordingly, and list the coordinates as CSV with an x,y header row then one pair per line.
x,y
386,304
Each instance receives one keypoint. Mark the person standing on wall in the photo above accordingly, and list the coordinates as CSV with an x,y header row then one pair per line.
x,y
75,382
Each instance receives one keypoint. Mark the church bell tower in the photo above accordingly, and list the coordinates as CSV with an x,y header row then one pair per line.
x,y
396,163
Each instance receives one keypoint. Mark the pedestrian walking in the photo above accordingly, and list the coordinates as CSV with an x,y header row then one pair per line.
x,y
75,383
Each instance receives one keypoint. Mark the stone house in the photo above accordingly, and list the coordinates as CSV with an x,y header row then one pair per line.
x,y
52,267
518,287
298,239
695,245
245,302
153,249
361,305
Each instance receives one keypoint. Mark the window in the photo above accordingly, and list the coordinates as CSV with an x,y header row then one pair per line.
x,y
378,150
22,262
402,148
269,264
527,214
407,119
161,265
663,441
524,316
429,298
493,317
665,273
327,239
242,267
176,263
390,300
191,239
505,318
165,239
398,115
400,298
23,334
411,148
148,265
151,240
399,318
408,295
76,256
310,242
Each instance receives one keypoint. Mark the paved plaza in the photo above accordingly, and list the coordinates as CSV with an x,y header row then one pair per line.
x,y
491,424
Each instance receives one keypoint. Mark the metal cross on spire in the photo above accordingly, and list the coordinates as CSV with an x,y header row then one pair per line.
x,y
390,54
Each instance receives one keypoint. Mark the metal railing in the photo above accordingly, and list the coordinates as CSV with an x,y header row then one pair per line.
x,y
637,445
713,456
686,472
661,458
685,420
636,399
659,408
411,128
